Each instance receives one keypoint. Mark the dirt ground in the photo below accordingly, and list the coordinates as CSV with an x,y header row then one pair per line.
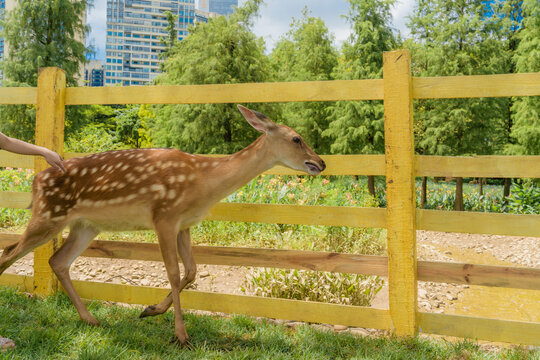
x,y
511,304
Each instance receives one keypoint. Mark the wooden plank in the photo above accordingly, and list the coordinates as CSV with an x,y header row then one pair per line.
x,y
21,282
50,115
216,255
241,304
478,222
400,191
229,93
485,275
18,95
516,332
479,166
9,159
299,214
500,85
15,199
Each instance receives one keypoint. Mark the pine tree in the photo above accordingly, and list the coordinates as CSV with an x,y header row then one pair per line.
x,y
526,110
306,53
223,51
41,33
357,127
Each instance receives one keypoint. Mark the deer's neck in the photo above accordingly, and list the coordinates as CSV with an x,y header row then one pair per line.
x,y
236,170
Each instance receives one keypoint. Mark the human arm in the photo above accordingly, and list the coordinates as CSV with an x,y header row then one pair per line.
x,y
24,148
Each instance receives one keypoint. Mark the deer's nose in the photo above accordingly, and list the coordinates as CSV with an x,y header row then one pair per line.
x,y
323,165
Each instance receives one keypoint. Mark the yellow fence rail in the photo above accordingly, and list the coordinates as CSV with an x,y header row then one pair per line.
x,y
399,164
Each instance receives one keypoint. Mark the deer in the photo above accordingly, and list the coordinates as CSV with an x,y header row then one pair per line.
x,y
165,190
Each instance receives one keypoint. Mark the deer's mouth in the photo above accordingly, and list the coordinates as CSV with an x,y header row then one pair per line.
x,y
313,168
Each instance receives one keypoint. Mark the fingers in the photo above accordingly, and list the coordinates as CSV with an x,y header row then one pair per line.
x,y
55,161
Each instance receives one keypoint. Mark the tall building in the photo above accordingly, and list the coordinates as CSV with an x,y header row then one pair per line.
x,y
93,73
134,32
223,7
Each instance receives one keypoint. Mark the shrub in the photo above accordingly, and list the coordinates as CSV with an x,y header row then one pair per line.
x,y
336,288
524,199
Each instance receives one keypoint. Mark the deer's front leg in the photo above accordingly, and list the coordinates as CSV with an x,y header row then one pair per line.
x,y
167,243
183,241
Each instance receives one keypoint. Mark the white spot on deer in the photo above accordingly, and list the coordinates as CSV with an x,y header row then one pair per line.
x,y
83,171
105,187
46,214
204,164
171,179
119,165
57,208
110,168
140,169
143,190
114,184
131,197
215,163
73,185
192,159
125,167
121,185
93,171
182,164
51,182
46,176
103,167
181,178
171,195
160,189
191,177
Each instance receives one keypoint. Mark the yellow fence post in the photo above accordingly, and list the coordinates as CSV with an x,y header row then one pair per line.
x,y
400,191
50,113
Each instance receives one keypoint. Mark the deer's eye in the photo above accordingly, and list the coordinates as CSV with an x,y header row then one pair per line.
x,y
296,139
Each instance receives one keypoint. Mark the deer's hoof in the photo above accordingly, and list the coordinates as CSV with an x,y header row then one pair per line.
x,y
186,344
149,311
91,321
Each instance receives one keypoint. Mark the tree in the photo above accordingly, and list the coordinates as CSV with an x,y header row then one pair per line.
x,y
41,33
306,53
455,38
358,127
526,110
172,37
223,51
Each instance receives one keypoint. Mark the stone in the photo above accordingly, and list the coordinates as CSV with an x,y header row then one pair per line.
x,y
422,293
340,327
204,274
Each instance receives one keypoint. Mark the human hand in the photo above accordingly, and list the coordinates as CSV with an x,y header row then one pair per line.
x,y
54,160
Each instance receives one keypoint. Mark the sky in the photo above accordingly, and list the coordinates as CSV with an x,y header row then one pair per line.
x,y
274,21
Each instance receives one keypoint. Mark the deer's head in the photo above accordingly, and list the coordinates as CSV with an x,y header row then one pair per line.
x,y
286,145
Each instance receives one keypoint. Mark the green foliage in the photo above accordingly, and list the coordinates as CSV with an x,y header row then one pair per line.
x,y
524,199
334,288
306,53
92,138
172,38
15,180
358,127
40,33
454,38
223,51
526,110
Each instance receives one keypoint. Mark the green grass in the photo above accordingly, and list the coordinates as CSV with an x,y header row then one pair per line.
x,y
51,329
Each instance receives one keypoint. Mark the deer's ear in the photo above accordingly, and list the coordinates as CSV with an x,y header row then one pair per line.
x,y
257,120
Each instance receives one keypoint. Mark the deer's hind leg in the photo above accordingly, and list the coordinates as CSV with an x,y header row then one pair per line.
x,y
183,243
38,232
80,236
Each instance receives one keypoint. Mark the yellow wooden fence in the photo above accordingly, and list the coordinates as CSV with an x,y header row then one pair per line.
x,y
400,166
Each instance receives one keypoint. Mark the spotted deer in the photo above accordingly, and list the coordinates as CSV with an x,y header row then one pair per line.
x,y
162,189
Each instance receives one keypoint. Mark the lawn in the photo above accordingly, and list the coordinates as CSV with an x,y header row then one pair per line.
x,y
51,329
